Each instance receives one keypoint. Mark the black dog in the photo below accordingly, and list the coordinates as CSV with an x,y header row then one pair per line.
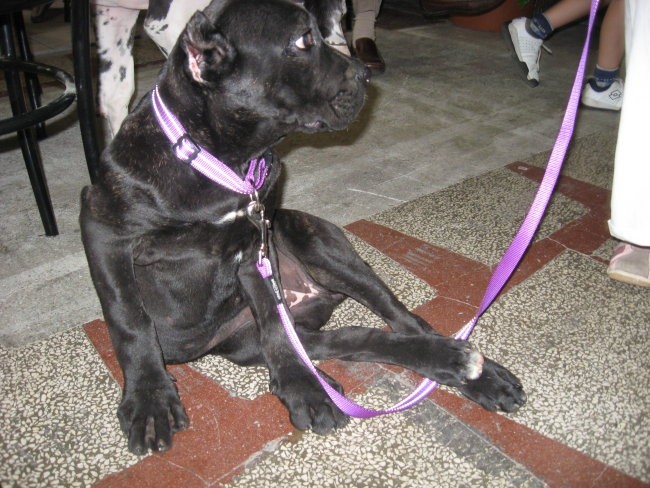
x,y
173,255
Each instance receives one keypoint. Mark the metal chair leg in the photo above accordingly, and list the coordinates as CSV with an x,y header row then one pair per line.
x,y
27,137
34,89
83,81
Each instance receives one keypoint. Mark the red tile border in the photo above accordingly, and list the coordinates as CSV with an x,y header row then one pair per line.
x,y
584,235
445,315
223,434
590,231
224,431
153,472
555,463
97,333
452,275
591,196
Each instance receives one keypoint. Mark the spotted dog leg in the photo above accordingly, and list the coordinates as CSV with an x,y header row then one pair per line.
x,y
166,20
114,27
333,30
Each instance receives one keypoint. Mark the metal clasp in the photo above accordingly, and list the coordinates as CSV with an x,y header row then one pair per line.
x,y
255,213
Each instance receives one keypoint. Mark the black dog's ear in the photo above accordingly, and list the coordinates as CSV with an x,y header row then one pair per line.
x,y
209,54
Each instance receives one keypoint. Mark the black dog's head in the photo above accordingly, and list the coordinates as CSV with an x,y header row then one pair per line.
x,y
261,68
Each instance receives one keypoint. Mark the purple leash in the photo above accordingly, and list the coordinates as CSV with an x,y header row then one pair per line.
x,y
189,152
502,273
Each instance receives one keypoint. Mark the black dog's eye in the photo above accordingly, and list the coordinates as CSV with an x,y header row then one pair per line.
x,y
305,41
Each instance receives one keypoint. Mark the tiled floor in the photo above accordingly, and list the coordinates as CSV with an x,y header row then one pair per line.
x,y
435,188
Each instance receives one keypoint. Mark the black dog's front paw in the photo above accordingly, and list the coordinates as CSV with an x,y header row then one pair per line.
x,y
150,416
449,361
496,389
309,405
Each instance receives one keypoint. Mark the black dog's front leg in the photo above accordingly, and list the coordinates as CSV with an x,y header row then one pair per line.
x,y
309,405
150,410
329,258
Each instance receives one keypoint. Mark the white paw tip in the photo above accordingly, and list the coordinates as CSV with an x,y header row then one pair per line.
x,y
475,366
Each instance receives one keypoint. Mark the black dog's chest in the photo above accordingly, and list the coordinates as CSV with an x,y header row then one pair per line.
x,y
187,278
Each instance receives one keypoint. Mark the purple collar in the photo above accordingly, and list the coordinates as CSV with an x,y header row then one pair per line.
x,y
201,160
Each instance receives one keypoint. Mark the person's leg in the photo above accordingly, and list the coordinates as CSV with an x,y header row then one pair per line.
x,y
526,36
363,34
365,13
630,213
605,88
567,11
612,36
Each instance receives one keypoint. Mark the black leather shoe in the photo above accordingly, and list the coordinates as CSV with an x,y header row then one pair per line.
x,y
366,50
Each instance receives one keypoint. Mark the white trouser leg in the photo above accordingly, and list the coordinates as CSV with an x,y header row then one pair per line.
x,y
630,217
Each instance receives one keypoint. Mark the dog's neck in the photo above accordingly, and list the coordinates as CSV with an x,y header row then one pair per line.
x,y
233,138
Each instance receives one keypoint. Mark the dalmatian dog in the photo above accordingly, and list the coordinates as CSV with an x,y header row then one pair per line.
x,y
115,21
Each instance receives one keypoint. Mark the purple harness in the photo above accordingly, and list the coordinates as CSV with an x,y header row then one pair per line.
x,y
189,152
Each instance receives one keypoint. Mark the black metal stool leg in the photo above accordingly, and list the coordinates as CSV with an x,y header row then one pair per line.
x,y
34,89
83,81
27,137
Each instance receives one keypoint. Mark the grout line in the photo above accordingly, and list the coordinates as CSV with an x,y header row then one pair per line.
x,y
377,195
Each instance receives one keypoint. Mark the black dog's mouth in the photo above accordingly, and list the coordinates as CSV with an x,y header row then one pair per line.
x,y
344,108
317,125
346,105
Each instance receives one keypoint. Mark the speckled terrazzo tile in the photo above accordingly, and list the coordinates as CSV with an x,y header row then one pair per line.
x,y
251,382
57,411
585,366
411,290
590,159
240,381
606,250
479,216
422,447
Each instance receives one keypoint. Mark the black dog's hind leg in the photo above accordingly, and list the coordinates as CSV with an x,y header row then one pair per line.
x,y
329,258
308,404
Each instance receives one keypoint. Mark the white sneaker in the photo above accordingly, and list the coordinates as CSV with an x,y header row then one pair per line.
x,y
609,99
526,47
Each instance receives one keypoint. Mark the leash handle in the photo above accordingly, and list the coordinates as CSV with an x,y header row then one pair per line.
x,y
502,272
